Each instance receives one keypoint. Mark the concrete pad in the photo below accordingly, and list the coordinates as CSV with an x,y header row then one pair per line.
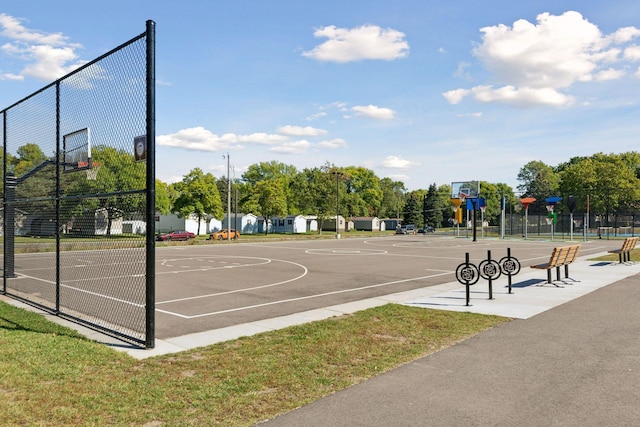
x,y
531,294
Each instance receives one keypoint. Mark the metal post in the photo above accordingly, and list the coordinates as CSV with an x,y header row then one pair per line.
x,y
337,207
502,217
150,302
229,199
468,291
475,231
490,280
10,183
58,194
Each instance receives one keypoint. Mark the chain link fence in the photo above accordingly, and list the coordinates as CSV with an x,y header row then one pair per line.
x,y
79,173
609,226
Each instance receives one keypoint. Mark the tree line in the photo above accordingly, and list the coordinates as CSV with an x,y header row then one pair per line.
x,y
603,183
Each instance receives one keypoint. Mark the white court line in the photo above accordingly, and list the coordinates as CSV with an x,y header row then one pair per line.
x,y
305,272
86,292
343,291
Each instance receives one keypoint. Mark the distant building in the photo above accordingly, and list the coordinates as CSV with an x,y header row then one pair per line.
x,y
172,222
369,223
246,223
293,224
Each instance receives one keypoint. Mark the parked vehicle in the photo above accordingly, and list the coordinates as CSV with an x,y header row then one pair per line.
x,y
427,229
223,234
401,230
177,235
411,229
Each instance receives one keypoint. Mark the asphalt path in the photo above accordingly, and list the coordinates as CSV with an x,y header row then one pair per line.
x,y
573,365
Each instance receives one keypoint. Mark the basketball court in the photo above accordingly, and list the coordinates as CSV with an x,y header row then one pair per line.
x,y
205,293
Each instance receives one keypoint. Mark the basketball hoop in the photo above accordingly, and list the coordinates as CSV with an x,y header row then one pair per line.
x,y
463,196
550,208
92,173
549,220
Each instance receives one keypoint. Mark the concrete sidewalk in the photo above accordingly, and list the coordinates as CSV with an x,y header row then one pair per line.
x,y
574,361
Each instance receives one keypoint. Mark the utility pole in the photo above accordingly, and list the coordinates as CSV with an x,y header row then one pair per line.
x,y
228,197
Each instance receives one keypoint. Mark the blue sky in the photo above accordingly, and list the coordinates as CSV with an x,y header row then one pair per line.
x,y
420,91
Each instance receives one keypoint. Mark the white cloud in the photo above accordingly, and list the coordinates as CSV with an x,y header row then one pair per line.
x,y
395,162
374,112
9,76
292,147
456,95
316,116
538,63
609,74
632,53
201,139
399,177
360,43
625,34
332,143
521,97
47,56
301,131
476,115
461,71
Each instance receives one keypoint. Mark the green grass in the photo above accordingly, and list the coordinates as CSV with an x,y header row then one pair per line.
x,y
51,376
635,255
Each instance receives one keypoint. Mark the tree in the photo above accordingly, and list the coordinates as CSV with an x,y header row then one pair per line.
x,y
364,187
392,198
413,209
118,187
29,156
273,170
271,200
315,191
539,181
432,210
198,196
608,180
163,200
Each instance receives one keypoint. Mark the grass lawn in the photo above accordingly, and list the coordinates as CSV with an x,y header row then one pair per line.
x,y
53,376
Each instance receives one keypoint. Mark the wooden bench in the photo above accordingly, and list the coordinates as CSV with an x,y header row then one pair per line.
x,y
560,257
624,253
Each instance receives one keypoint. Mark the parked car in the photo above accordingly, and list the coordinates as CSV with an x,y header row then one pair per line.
x,y
411,229
223,235
427,229
177,235
401,230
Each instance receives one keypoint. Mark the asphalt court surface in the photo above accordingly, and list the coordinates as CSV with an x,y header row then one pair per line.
x,y
201,288
208,287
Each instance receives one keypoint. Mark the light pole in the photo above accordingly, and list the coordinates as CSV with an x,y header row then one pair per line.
x,y
337,174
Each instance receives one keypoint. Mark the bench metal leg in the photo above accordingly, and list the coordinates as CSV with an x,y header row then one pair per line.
x,y
549,275
558,273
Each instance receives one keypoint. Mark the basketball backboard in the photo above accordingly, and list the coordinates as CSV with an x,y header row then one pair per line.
x,y
465,189
76,150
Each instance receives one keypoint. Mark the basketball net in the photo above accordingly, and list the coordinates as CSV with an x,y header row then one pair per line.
x,y
550,208
92,173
